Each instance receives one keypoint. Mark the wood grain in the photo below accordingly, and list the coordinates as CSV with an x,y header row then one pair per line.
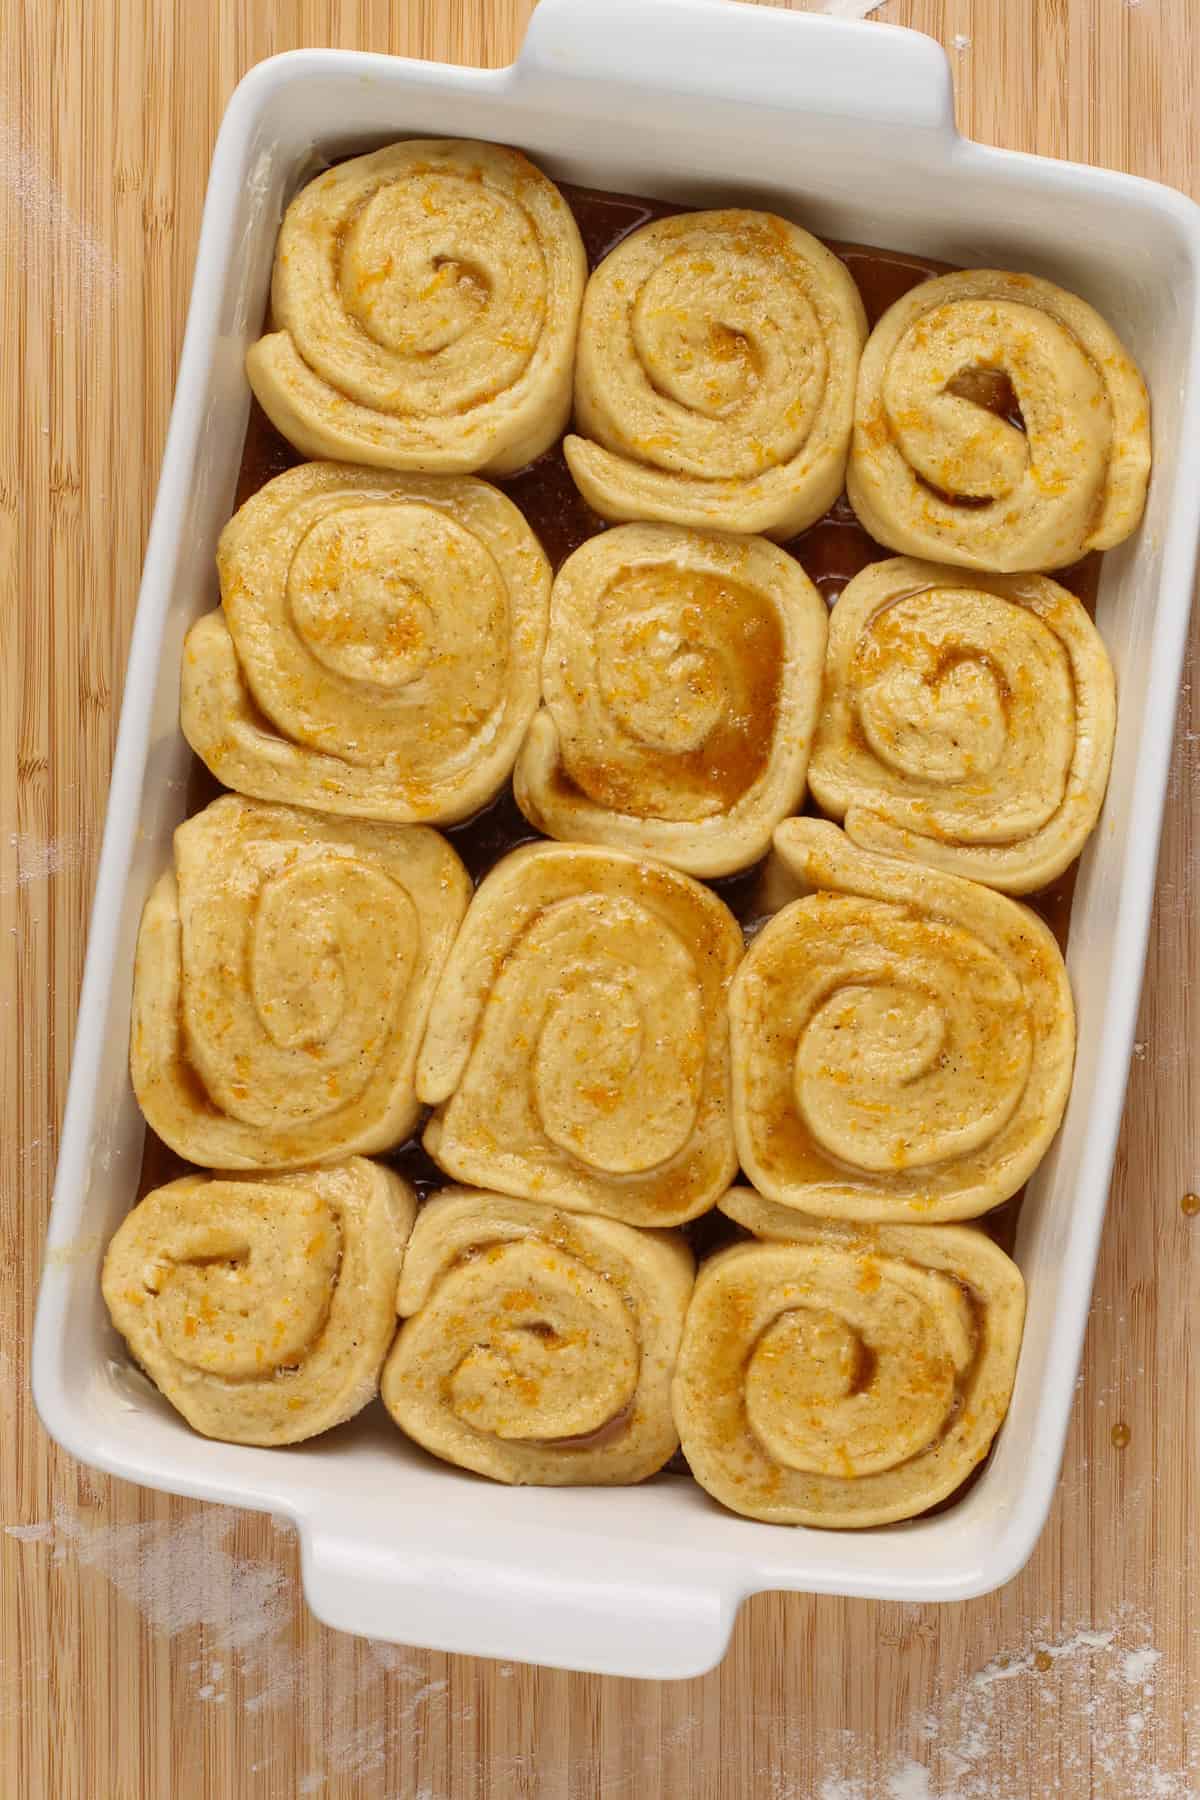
x,y
119,1678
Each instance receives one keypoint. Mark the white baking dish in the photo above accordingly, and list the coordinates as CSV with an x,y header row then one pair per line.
x,y
849,129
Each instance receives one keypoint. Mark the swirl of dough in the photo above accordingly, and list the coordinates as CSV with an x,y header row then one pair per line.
x,y
714,379
262,1307
378,648
845,1376
284,972
967,722
425,301
578,1046
999,425
538,1345
681,682
902,1039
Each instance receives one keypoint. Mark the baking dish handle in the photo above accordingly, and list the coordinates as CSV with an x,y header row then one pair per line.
x,y
611,1623
798,62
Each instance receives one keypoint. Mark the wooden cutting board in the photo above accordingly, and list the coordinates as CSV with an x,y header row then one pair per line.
x,y
154,1648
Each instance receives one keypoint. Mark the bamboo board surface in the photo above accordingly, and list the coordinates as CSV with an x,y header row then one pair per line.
x,y
152,1648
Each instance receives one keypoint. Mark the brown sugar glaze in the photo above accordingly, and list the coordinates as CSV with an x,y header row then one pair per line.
x,y
831,553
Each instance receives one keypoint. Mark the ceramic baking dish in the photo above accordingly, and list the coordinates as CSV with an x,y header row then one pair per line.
x,y
849,129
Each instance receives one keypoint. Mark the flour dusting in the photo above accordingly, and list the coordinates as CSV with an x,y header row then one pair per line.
x,y
181,1576
40,859
30,1534
189,1584
1007,1668
909,1781
1093,1676
46,219
1085,1696
837,1787
1137,1666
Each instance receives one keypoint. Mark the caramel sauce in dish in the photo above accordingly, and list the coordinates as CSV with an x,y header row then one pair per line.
x,y
734,754
831,553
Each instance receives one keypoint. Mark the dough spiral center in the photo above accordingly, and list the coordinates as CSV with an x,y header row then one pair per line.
x,y
666,673
435,270
964,449
912,1041
680,684
730,356
234,1300
375,593
554,1350
331,947
999,424
619,1064
952,685
865,1377
352,601
966,723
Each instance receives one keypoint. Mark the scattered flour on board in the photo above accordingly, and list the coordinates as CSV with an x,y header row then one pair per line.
x,y
1093,1678
31,1534
908,1781
47,219
1137,1666
38,859
1089,1692
180,1576
184,1578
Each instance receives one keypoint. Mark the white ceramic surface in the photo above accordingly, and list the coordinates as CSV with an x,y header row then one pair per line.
x,y
848,129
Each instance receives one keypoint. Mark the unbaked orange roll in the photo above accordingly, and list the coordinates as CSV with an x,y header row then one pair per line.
x,y
262,1307
284,971
537,1345
578,1046
424,302
999,424
967,721
378,647
714,380
845,1376
681,681
902,1039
